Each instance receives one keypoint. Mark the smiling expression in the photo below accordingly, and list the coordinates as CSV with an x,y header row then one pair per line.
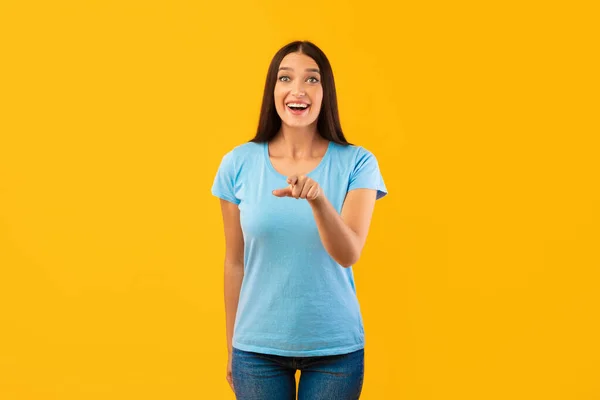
x,y
298,91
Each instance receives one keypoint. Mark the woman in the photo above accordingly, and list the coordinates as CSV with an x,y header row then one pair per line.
x,y
297,202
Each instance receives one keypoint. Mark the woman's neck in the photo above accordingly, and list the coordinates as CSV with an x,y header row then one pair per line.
x,y
300,143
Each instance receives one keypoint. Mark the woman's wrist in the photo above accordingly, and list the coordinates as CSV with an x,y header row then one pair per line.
x,y
319,201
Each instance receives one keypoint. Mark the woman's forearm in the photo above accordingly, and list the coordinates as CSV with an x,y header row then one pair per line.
x,y
234,274
339,240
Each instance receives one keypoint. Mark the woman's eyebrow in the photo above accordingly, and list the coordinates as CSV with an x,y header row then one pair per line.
x,y
307,69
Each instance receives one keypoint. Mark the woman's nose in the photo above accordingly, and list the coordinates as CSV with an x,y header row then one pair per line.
x,y
298,90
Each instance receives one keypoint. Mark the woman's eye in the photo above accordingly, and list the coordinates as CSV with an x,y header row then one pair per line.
x,y
285,78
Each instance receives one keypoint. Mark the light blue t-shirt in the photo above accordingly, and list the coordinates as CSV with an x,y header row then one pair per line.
x,y
295,299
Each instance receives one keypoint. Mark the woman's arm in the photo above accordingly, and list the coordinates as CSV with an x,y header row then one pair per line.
x,y
344,235
234,264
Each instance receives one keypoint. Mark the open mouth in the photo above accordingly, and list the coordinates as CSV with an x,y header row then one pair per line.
x,y
297,108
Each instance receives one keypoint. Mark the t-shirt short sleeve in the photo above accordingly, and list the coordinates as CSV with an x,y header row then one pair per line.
x,y
366,174
225,181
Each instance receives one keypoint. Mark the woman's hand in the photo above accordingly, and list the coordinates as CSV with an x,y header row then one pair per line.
x,y
228,376
300,187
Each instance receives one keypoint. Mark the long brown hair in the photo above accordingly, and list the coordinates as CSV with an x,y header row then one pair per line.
x,y
328,122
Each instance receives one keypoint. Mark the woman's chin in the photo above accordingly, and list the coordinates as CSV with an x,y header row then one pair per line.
x,y
297,123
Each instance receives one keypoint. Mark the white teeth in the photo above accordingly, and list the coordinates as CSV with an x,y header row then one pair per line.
x,y
297,105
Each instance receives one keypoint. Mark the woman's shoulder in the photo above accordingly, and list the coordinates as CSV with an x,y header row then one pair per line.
x,y
244,151
246,148
242,156
353,151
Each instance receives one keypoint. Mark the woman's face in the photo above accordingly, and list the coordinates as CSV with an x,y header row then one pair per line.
x,y
298,83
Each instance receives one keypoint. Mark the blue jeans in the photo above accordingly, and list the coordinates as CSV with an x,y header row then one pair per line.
x,y
258,376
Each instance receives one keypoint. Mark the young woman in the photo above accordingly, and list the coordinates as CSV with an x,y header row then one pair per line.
x,y
297,202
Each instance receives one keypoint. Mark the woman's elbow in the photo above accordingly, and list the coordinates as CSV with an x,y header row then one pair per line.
x,y
349,260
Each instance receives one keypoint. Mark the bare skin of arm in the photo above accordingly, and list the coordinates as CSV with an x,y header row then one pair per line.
x,y
344,235
234,270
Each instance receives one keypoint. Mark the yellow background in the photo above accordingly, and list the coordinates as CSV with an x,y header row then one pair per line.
x,y
480,277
